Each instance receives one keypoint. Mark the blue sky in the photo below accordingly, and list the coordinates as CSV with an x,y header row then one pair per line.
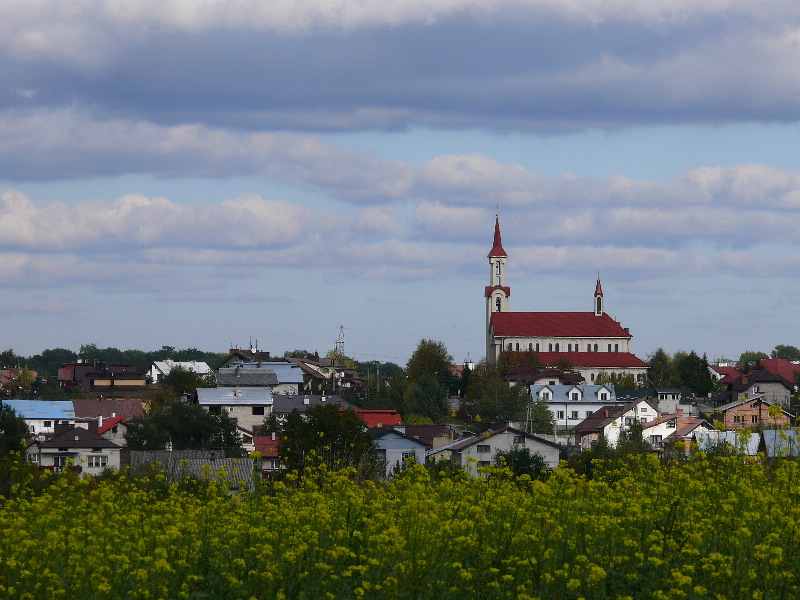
x,y
202,173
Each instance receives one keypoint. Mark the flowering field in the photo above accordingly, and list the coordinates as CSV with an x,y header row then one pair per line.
x,y
708,529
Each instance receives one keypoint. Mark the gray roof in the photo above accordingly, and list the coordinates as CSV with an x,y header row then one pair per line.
x,y
231,396
464,443
76,437
588,393
287,372
43,409
286,403
230,377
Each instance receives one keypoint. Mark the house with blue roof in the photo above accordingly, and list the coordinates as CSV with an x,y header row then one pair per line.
x,y
42,416
247,406
571,404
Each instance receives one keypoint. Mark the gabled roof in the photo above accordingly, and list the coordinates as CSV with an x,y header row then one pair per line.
x,y
232,396
607,414
76,437
465,443
379,417
556,324
600,360
193,366
109,423
266,445
43,409
785,368
561,393
379,433
286,403
287,372
230,377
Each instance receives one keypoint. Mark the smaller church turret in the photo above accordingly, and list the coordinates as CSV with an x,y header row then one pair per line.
x,y
598,298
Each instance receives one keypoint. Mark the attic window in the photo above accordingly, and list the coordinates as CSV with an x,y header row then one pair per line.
x,y
483,449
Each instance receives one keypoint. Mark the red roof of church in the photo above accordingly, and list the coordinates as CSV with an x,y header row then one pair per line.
x,y
556,324
602,360
497,249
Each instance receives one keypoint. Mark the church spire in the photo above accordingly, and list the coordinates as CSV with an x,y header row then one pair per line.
x,y
497,249
598,298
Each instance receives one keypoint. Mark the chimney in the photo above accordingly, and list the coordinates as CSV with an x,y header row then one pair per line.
x,y
322,399
99,421
306,400
273,436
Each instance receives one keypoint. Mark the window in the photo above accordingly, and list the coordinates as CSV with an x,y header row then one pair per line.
x,y
595,347
408,455
509,347
574,414
530,347
545,395
592,376
588,414
537,346
258,410
756,389
33,429
609,347
737,419
560,414
483,449
519,439
60,460
569,347
655,440
643,409
550,347
98,461
497,304
215,410
616,347
517,346
230,409
575,396
672,423
754,419
604,396
33,458
557,348
47,424
483,463
628,421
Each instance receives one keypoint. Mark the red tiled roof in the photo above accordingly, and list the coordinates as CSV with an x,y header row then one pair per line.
x,y
608,360
108,424
379,417
497,248
779,366
728,373
266,445
556,324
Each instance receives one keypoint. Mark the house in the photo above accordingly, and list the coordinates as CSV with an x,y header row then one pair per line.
x,y
249,355
236,473
289,375
395,449
246,406
785,368
161,368
85,450
240,377
480,450
42,416
113,429
283,404
267,446
593,343
610,421
325,373
774,388
724,372
109,416
570,404
668,428
750,412
102,379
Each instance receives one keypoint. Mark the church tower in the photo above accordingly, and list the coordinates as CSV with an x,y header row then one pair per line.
x,y
496,293
598,299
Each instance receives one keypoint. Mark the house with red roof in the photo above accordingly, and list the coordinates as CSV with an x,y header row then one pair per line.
x,y
592,342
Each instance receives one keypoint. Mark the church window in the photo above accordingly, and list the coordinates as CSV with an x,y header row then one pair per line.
x,y
616,347
595,347
557,348
550,347
569,347
530,347
509,347
537,346
497,303
592,376
517,346
609,347
599,309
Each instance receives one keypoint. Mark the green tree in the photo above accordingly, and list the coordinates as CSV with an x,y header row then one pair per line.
x,y
180,381
694,373
184,427
786,352
324,433
540,419
521,460
427,396
430,357
10,359
341,360
491,397
13,431
662,372
750,358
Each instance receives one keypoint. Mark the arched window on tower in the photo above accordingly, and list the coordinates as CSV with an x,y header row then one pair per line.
x,y
599,309
497,303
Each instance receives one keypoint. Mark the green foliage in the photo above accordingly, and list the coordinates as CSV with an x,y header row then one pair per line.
x,y
662,372
618,380
427,396
185,427
540,419
490,396
522,461
694,374
786,352
339,439
10,359
341,360
13,432
750,358
180,381
430,357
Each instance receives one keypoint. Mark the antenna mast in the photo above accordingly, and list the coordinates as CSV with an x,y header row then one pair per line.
x,y
338,347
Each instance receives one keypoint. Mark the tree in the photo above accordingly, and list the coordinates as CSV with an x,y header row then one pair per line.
x,y
180,381
13,431
427,397
183,427
786,352
490,396
540,419
430,357
324,433
341,360
10,360
521,460
694,373
750,358
662,372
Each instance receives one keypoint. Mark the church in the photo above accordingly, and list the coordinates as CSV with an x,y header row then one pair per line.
x,y
592,342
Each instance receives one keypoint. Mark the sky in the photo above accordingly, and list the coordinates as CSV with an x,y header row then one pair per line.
x,y
215,173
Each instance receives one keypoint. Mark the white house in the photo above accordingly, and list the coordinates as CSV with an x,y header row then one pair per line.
x,y
161,368
42,416
571,404
480,450
81,449
396,448
247,406
610,421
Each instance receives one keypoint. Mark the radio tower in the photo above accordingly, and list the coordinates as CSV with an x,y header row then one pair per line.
x,y
338,347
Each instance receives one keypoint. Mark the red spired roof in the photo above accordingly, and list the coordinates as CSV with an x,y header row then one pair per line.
x,y
497,248
598,289
556,324
604,360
